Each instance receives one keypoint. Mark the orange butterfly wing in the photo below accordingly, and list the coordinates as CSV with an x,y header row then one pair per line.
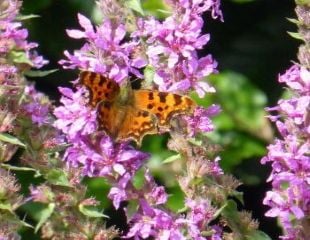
x,y
142,112
100,88
136,124
163,105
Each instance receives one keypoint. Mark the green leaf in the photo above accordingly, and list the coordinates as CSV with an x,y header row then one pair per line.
x,y
15,168
91,211
195,141
148,72
295,35
303,2
238,147
241,127
172,158
239,196
5,137
242,103
98,188
131,208
134,5
157,8
6,206
38,73
258,235
139,179
219,211
26,17
230,211
57,177
294,20
20,57
176,199
43,215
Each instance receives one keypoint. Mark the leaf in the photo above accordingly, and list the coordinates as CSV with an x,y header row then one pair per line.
x,y
57,177
91,211
139,179
241,127
15,168
230,211
157,8
176,199
195,141
172,158
6,206
5,137
131,209
38,73
296,35
219,211
25,224
149,73
294,20
26,17
302,2
238,146
258,235
134,5
239,196
20,57
44,214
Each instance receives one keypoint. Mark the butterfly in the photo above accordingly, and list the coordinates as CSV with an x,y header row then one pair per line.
x,y
128,114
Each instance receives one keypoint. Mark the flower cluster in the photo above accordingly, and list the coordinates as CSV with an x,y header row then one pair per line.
x,y
13,38
21,108
104,51
16,56
289,199
171,47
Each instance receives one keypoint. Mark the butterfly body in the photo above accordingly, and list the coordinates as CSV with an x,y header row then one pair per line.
x,y
124,113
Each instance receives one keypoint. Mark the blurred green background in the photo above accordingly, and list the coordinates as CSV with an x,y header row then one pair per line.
x,y
251,46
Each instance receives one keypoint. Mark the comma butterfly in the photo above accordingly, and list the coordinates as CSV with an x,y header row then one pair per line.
x,y
132,114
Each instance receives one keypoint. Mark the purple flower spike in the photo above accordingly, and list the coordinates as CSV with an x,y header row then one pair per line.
x,y
75,118
172,47
290,176
36,107
13,37
104,51
200,121
152,222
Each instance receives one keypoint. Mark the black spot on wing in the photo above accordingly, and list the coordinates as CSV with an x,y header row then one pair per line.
x,y
102,80
145,114
150,106
162,97
151,96
177,100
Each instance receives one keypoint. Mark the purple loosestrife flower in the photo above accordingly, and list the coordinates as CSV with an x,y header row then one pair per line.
x,y
200,121
93,151
104,51
200,214
13,38
37,107
75,118
13,48
96,152
290,198
153,222
172,47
